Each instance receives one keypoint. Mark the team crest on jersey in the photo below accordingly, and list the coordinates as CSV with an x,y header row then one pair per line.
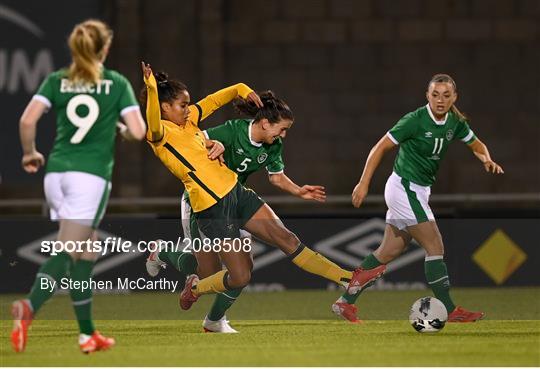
x,y
261,158
449,135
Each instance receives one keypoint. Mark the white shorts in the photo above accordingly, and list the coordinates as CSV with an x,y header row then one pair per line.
x,y
189,222
77,196
408,203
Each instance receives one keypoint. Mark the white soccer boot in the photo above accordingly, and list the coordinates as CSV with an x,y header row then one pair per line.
x,y
154,265
220,326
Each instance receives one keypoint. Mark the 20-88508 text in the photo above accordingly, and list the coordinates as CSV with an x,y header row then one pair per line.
x,y
217,245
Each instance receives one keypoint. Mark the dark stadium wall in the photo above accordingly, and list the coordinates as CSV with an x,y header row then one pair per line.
x,y
349,69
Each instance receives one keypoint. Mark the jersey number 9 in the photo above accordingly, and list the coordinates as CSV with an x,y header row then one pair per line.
x,y
83,123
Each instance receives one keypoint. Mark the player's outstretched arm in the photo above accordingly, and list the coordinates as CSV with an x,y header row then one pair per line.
x,y
32,159
224,96
481,151
373,160
153,112
306,192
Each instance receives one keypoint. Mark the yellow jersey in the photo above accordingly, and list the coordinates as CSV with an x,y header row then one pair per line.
x,y
182,149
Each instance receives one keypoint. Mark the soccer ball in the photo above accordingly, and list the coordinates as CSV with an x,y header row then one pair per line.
x,y
428,315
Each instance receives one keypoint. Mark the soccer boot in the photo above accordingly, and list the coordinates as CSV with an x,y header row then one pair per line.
x,y
219,326
460,315
187,297
153,264
363,278
22,318
346,311
95,342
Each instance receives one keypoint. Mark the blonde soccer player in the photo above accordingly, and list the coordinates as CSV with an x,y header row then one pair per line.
x,y
88,99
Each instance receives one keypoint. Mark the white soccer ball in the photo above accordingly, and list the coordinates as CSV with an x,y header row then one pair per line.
x,y
428,315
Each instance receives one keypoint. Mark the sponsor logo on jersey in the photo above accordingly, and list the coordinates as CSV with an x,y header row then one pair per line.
x,y
261,158
240,151
429,134
434,157
449,135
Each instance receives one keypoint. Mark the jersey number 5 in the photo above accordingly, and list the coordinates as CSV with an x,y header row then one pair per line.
x,y
243,165
83,123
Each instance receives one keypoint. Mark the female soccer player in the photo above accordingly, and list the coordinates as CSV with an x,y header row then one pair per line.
x,y
250,145
423,136
88,99
222,205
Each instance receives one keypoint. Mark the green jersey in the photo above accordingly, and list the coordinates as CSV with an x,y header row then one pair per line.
x,y
423,142
86,121
242,154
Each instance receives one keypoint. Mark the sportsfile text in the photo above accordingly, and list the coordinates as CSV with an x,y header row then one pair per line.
x,y
110,244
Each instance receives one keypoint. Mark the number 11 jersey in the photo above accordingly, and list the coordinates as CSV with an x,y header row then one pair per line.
x,y
87,114
423,142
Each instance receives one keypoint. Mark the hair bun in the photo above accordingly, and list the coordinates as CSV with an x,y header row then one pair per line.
x,y
161,77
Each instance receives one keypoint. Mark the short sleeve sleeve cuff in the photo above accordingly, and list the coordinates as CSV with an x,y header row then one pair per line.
x,y
128,109
275,172
469,138
392,138
42,99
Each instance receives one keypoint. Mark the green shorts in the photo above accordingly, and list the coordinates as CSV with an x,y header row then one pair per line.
x,y
228,215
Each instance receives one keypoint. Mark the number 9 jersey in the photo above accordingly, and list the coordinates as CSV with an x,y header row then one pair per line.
x,y
87,114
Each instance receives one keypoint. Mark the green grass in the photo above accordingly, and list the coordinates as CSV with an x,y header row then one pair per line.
x,y
292,328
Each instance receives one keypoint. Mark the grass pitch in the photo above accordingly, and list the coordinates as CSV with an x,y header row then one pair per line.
x,y
291,328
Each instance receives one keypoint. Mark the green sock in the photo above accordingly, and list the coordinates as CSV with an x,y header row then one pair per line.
x,y
55,269
369,263
222,303
184,262
82,297
437,277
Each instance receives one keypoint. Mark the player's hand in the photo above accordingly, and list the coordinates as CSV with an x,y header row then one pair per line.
x,y
124,132
215,150
492,167
146,70
32,162
359,194
310,192
253,97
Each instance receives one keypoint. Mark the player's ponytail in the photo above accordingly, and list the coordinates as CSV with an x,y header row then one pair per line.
x,y
458,113
89,42
274,109
445,78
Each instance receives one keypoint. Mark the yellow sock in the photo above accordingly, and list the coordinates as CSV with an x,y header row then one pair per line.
x,y
213,284
315,263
